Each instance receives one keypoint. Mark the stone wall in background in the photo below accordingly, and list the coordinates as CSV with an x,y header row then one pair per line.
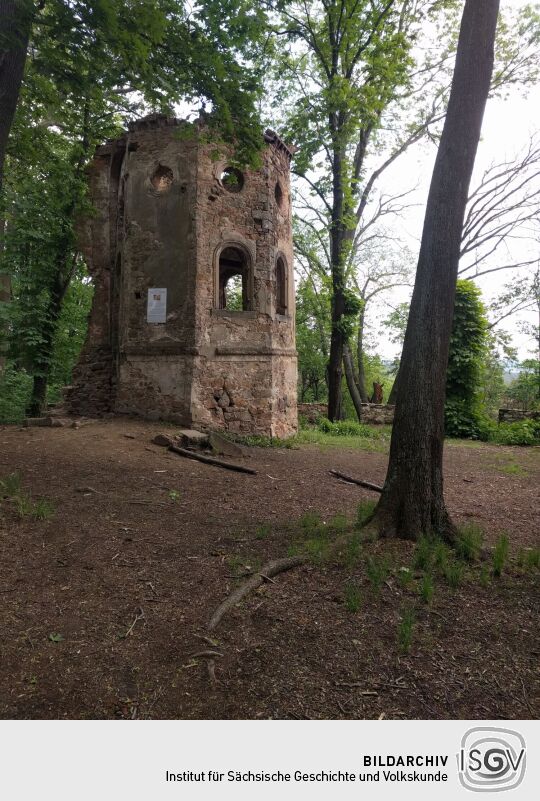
x,y
372,413
516,415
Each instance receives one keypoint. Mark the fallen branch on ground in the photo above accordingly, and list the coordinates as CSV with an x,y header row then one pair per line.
x,y
212,460
366,484
266,572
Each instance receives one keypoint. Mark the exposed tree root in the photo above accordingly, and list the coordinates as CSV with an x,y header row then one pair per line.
x,y
265,574
366,484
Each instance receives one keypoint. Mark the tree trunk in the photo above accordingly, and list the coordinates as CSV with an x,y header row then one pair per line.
x,y
15,25
337,257
393,392
412,503
351,383
360,355
43,367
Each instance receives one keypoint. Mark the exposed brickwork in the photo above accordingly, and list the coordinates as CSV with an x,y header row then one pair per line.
x,y
205,366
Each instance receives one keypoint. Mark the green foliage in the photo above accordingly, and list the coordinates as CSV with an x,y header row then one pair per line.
x,y
525,389
406,629
15,389
500,554
524,432
468,347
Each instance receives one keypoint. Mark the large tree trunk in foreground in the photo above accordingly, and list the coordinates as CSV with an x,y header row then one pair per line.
x,y
412,502
15,24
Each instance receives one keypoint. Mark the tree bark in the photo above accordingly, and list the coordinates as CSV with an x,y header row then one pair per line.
x,y
360,356
412,503
15,25
351,383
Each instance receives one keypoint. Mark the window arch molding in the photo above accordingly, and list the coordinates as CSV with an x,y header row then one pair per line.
x,y
234,256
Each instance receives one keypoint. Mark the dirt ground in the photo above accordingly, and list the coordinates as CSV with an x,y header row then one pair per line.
x,y
104,603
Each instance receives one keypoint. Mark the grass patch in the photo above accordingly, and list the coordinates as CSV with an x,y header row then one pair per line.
x,y
377,570
364,511
262,532
512,469
427,588
406,630
469,542
353,597
12,491
529,558
453,573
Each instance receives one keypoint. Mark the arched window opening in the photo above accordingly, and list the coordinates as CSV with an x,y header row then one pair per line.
x,y
281,286
233,280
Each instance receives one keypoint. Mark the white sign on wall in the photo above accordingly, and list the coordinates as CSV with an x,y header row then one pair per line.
x,y
156,310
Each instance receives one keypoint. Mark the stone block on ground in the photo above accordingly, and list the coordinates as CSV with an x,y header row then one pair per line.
x,y
163,440
190,438
222,446
53,422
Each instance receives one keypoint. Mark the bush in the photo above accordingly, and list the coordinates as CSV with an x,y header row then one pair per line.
x,y
345,428
15,389
524,432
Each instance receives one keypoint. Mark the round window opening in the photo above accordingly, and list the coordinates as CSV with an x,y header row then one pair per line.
x,y
278,194
162,179
232,179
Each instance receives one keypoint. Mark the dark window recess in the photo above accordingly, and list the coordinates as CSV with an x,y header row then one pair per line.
x,y
278,194
138,295
232,179
162,179
281,286
233,280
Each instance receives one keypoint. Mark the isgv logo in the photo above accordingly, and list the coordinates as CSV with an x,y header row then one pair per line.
x,y
491,759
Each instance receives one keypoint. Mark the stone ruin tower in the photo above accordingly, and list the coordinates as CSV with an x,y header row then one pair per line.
x,y
193,313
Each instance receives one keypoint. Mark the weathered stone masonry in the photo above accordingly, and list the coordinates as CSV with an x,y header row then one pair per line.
x,y
168,215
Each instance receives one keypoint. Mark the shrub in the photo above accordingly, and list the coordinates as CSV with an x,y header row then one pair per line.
x,y
15,389
524,432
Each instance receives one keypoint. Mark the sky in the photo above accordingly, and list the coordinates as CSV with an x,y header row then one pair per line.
x,y
506,130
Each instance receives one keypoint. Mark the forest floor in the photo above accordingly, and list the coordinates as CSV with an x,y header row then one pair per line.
x,y
115,552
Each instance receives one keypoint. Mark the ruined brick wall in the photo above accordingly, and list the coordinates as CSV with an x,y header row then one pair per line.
x,y
164,218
